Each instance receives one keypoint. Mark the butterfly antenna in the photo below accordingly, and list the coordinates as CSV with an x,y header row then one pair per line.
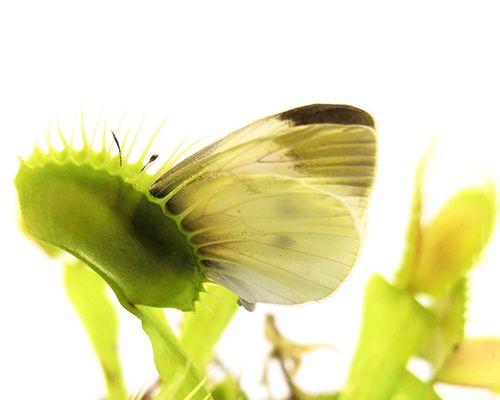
x,y
126,137
152,159
61,134
85,141
119,148
104,134
94,132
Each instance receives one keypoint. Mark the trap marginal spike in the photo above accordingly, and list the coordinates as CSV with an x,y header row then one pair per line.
x,y
61,134
94,132
103,136
126,138
151,141
83,135
134,140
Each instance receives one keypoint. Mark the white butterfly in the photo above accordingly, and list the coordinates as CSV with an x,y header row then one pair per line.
x,y
275,209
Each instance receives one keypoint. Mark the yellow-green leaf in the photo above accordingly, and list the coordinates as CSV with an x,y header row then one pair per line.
x,y
476,363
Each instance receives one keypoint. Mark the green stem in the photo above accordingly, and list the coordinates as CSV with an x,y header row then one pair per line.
x,y
170,360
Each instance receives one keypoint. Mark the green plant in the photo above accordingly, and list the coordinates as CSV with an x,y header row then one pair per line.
x,y
113,216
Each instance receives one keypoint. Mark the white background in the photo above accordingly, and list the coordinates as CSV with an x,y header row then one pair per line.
x,y
420,68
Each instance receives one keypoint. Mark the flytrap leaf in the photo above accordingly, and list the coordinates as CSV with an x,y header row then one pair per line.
x,y
452,242
99,209
87,293
394,327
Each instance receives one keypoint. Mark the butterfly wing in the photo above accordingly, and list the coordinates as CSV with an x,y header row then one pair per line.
x,y
274,209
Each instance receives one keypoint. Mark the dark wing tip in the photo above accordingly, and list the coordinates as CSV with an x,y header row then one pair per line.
x,y
327,114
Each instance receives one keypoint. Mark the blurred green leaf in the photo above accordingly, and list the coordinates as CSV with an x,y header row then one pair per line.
x,y
228,389
475,362
202,328
394,328
450,312
451,243
412,388
87,292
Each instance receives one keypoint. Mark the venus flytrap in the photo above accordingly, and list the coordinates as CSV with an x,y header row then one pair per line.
x,y
463,228
88,204
437,258
443,251
73,200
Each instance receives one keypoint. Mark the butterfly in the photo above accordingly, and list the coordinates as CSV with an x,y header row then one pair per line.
x,y
276,209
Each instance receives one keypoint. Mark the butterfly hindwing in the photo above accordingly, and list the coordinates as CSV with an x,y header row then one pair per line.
x,y
275,208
